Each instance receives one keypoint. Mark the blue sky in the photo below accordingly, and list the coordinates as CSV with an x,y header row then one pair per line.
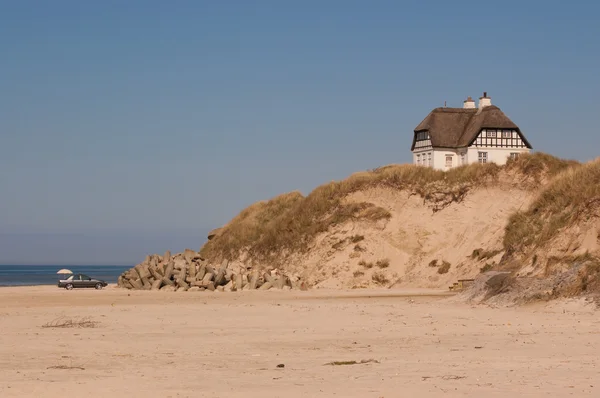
x,y
132,127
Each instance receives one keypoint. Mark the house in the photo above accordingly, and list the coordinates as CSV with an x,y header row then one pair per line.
x,y
451,137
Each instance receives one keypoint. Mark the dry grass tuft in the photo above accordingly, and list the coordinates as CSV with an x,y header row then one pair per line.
x,y
64,322
365,264
66,367
356,238
480,254
380,278
384,263
341,363
444,268
487,267
359,248
375,213
339,244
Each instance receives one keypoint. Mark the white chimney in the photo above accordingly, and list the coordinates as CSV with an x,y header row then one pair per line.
x,y
485,100
469,103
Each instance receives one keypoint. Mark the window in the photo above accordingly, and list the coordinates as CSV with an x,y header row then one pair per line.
x,y
418,160
491,133
429,163
482,156
506,134
422,136
463,158
448,160
514,155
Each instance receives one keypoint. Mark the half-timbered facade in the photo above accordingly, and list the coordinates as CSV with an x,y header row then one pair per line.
x,y
451,137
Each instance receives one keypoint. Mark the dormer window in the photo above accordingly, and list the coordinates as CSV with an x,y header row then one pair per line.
x,y
422,135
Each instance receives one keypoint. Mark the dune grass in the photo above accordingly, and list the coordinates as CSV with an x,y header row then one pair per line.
x,y
540,164
481,254
572,195
267,231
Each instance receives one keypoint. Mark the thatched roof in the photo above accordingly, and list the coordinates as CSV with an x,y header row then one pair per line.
x,y
458,127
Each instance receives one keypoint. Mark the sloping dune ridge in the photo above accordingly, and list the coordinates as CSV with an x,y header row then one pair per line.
x,y
525,225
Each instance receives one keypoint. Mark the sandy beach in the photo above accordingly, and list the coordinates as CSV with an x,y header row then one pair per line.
x,y
415,343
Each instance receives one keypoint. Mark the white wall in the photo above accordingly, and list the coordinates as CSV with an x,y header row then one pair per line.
x,y
439,157
496,155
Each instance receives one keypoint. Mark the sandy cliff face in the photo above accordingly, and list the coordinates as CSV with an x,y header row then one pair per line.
x,y
424,228
413,246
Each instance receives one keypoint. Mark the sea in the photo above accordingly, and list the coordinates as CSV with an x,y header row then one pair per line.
x,y
29,275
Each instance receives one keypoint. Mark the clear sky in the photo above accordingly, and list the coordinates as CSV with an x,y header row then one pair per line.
x,y
132,127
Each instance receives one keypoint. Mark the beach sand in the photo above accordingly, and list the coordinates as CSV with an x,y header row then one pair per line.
x,y
158,344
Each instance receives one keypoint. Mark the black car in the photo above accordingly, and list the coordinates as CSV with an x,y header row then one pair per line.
x,y
81,280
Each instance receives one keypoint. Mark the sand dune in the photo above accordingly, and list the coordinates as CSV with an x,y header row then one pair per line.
x,y
158,344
